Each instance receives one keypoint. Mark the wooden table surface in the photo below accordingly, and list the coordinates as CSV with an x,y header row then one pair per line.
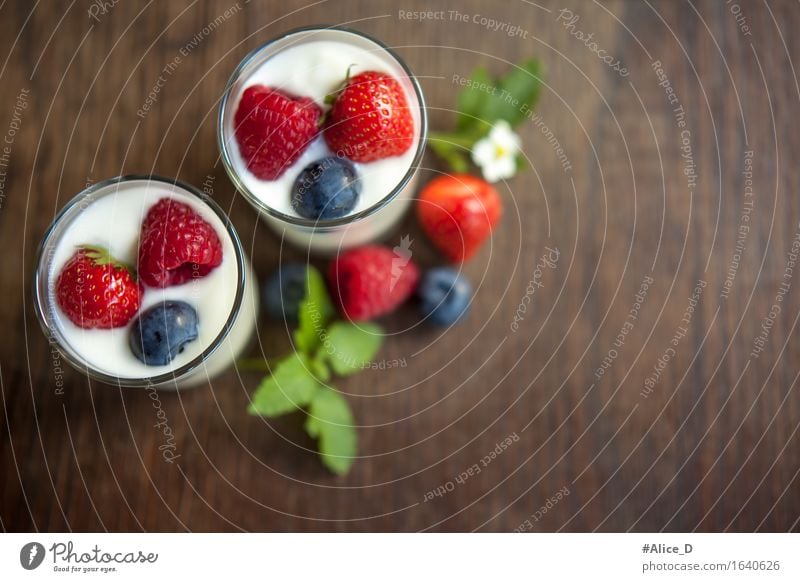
x,y
678,166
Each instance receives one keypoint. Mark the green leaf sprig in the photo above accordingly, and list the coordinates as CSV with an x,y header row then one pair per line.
x,y
482,102
301,379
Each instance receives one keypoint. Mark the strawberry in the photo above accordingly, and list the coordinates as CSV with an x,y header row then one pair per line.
x,y
458,213
176,245
370,119
371,281
273,129
94,290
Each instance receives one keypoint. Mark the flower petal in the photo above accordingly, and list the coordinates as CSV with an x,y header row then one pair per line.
x,y
503,137
490,173
504,167
483,152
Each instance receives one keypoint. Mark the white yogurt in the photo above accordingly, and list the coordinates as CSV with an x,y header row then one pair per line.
x,y
114,221
314,69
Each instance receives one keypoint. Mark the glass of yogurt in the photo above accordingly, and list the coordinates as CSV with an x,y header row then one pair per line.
x,y
312,63
223,301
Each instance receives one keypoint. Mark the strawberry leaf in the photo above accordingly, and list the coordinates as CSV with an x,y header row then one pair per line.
x,y
481,103
472,100
454,155
331,97
101,256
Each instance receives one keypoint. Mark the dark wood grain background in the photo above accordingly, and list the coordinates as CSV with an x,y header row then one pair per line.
x,y
713,446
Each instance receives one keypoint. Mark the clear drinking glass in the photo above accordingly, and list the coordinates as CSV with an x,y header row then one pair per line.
x,y
229,343
369,224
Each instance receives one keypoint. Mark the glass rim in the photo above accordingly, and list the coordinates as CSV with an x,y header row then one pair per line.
x,y
54,335
298,220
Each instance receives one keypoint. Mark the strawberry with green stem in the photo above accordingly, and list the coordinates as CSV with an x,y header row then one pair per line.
x,y
95,290
369,118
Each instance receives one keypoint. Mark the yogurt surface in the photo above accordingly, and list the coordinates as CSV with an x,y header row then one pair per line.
x,y
114,221
314,69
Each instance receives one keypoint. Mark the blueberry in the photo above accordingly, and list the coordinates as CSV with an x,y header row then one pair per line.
x,y
445,295
284,291
326,189
162,331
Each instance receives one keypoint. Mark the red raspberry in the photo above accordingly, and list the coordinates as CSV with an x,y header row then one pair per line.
x,y
458,214
176,245
273,128
370,119
96,291
371,281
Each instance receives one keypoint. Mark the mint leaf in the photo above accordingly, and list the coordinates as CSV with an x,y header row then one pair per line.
x,y
472,99
320,368
291,386
349,347
330,421
313,314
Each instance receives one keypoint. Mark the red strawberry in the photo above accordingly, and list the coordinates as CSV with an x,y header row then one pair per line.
x,y
370,119
371,281
176,245
458,213
96,291
273,128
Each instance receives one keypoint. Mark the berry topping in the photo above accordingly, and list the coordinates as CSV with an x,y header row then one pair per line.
x,y
370,119
176,245
371,281
326,189
273,128
162,331
284,291
458,214
96,291
445,295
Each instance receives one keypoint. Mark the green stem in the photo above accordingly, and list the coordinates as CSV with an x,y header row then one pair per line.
x,y
457,139
257,364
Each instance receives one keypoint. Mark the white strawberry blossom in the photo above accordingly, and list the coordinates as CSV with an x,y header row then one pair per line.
x,y
496,154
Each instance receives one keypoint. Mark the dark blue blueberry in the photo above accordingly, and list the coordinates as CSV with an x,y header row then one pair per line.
x,y
162,331
326,189
445,295
284,291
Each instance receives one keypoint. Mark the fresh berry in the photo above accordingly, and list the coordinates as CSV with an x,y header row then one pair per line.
x,y
96,291
458,213
445,295
176,245
370,119
326,189
273,128
371,281
284,291
162,331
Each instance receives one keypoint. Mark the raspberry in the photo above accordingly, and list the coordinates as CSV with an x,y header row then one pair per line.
x,y
273,129
176,245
